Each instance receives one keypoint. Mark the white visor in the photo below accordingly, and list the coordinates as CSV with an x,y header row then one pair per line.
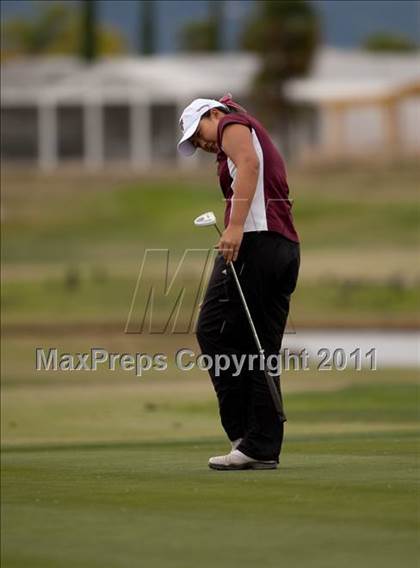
x,y
190,120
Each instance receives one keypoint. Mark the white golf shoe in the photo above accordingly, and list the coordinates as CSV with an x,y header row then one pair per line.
x,y
237,460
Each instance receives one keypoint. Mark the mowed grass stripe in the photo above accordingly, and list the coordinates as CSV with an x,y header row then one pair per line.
x,y
159,505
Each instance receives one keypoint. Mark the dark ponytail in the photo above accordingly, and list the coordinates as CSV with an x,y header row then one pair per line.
x,y
231,105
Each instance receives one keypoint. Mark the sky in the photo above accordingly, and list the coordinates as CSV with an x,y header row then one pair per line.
x,y
345,23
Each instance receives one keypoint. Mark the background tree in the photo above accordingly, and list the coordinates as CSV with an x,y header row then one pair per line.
x,y
388,42
89,43
204,35
200,36
147,39
286,35
55,28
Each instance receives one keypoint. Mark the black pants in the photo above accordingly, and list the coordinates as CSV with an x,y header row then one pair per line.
x,y
267,267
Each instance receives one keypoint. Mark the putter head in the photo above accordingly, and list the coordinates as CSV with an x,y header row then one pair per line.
x,y
205,220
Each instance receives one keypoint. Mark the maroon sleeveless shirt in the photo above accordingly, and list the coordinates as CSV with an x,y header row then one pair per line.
x,y
270,208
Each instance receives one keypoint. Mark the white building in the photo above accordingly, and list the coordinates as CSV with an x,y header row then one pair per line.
x,y
365,104
126,110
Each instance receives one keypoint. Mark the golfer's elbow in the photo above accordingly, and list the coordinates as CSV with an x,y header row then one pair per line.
x,y
250,165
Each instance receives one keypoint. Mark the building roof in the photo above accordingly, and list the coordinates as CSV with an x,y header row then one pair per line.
x,y
157,78
336,75
340,75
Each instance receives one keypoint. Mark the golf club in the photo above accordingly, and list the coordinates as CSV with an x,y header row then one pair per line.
x,y
207,220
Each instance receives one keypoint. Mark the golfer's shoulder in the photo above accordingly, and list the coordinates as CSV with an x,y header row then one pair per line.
x,y
238,118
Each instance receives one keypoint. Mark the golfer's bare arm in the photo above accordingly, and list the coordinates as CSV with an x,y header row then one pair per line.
x,y
238,146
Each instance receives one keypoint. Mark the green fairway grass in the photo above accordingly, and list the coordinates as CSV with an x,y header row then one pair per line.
x,y
112,472
106,469
336,501
332,302
74,245
58,217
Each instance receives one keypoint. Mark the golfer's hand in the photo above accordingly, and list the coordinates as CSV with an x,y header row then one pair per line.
x,y
230,242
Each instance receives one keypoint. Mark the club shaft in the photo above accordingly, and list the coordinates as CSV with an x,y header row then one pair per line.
x,y
275,395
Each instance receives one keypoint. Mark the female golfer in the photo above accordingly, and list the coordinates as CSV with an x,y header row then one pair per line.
x,y
261,241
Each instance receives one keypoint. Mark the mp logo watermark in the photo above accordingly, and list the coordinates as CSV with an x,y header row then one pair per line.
x,y
168,294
